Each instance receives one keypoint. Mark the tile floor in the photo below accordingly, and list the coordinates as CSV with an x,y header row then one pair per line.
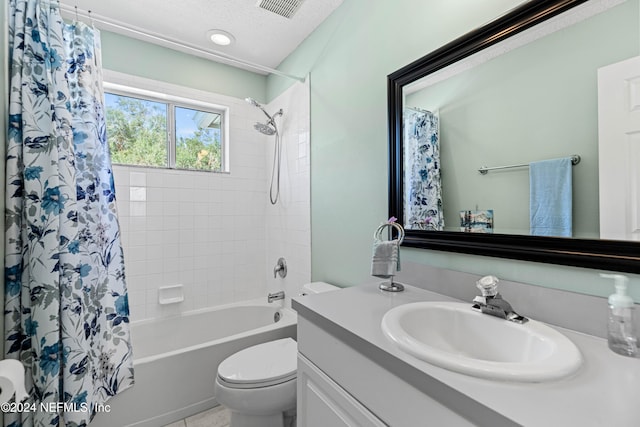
x,y
216,417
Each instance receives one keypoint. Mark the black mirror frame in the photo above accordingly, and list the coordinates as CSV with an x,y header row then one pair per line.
x,y
609,255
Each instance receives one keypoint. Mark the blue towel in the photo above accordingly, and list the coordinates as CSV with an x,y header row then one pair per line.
x,y
550,202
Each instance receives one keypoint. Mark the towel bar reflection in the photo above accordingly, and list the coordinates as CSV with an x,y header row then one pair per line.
x,y
575,159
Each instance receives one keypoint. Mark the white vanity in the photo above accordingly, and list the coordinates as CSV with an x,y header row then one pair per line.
x,y
351,374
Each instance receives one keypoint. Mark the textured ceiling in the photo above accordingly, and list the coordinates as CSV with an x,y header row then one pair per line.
x,y
262,37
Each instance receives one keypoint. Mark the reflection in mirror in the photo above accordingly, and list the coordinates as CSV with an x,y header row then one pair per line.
x,y
423,185
521,101
535,102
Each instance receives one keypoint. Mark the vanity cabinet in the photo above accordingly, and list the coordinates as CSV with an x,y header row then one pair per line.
x,y
350,374
322,402
339,384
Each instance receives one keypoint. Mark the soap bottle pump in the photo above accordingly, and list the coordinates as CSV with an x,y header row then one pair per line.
x,y
621,334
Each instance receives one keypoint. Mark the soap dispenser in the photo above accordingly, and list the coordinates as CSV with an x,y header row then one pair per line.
x,y
621,334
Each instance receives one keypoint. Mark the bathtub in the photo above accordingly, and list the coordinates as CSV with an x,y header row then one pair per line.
x,y
176,360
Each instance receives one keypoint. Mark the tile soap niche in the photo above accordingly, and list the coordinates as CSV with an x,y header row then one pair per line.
x,y
170,294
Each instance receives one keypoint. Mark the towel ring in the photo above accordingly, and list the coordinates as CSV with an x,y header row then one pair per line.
x,y
390,286
378,234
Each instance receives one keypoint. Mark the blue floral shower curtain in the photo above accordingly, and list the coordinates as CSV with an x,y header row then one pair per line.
x,y
422,182
66,308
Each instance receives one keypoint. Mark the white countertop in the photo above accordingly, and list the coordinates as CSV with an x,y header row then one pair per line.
x,y
604,392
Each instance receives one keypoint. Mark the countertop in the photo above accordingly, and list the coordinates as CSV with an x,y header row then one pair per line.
x,y
605,391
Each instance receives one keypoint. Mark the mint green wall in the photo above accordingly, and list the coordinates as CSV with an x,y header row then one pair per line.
x,y
135,57
536,102
348,58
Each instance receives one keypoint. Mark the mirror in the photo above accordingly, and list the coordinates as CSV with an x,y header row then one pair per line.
x,y
518,90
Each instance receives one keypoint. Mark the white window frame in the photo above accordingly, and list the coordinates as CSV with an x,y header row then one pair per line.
x,y
165,93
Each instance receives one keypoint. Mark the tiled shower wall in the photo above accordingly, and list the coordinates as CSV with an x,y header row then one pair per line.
x,y
209,231
288,232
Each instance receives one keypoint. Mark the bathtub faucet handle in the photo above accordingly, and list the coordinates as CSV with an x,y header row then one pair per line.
x,y
275,296
280,268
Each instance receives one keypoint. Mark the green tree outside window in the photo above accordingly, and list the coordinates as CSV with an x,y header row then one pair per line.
x,y
137,134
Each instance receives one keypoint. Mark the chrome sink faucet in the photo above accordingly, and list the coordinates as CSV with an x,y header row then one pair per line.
x,y
491,302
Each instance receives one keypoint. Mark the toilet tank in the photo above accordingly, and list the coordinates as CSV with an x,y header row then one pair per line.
x,y
318,288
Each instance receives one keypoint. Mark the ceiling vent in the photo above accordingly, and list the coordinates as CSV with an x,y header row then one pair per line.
x,y
286,8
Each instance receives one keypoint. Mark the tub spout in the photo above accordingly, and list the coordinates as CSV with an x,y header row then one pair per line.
x,y
275,296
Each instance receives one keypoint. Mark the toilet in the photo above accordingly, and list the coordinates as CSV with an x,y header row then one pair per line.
x,y
258,384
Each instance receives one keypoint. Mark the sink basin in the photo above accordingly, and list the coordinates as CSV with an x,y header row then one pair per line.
x,y
454,336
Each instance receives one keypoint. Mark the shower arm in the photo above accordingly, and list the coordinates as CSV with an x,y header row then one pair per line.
x,y
276,114
272,118
265,113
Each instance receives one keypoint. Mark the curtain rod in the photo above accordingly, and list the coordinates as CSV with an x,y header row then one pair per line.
x,y
74,13
575,159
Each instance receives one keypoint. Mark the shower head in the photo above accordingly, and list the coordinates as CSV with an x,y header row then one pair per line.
x,y
256,104
270,127
253,102
267,129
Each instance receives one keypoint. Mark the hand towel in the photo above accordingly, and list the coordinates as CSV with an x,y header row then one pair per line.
x,y
386,258
551,198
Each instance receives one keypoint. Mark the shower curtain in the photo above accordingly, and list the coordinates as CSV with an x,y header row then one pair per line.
x,y
66,307
422,182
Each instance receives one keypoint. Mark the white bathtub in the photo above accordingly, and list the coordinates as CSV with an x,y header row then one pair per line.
x,y
176,360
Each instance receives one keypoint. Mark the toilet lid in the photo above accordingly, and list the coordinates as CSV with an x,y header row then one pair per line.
x,y
269,362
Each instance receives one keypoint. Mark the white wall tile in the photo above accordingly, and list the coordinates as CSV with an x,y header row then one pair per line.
x,y
138,179
137,194
137,209
288,232
217,233
155,179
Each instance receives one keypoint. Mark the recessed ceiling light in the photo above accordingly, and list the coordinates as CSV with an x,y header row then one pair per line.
x,y
220,37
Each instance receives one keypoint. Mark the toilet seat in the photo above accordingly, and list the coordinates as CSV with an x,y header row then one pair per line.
x,y
261,365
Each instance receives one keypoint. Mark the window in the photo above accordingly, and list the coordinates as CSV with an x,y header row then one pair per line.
x,y
148,131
